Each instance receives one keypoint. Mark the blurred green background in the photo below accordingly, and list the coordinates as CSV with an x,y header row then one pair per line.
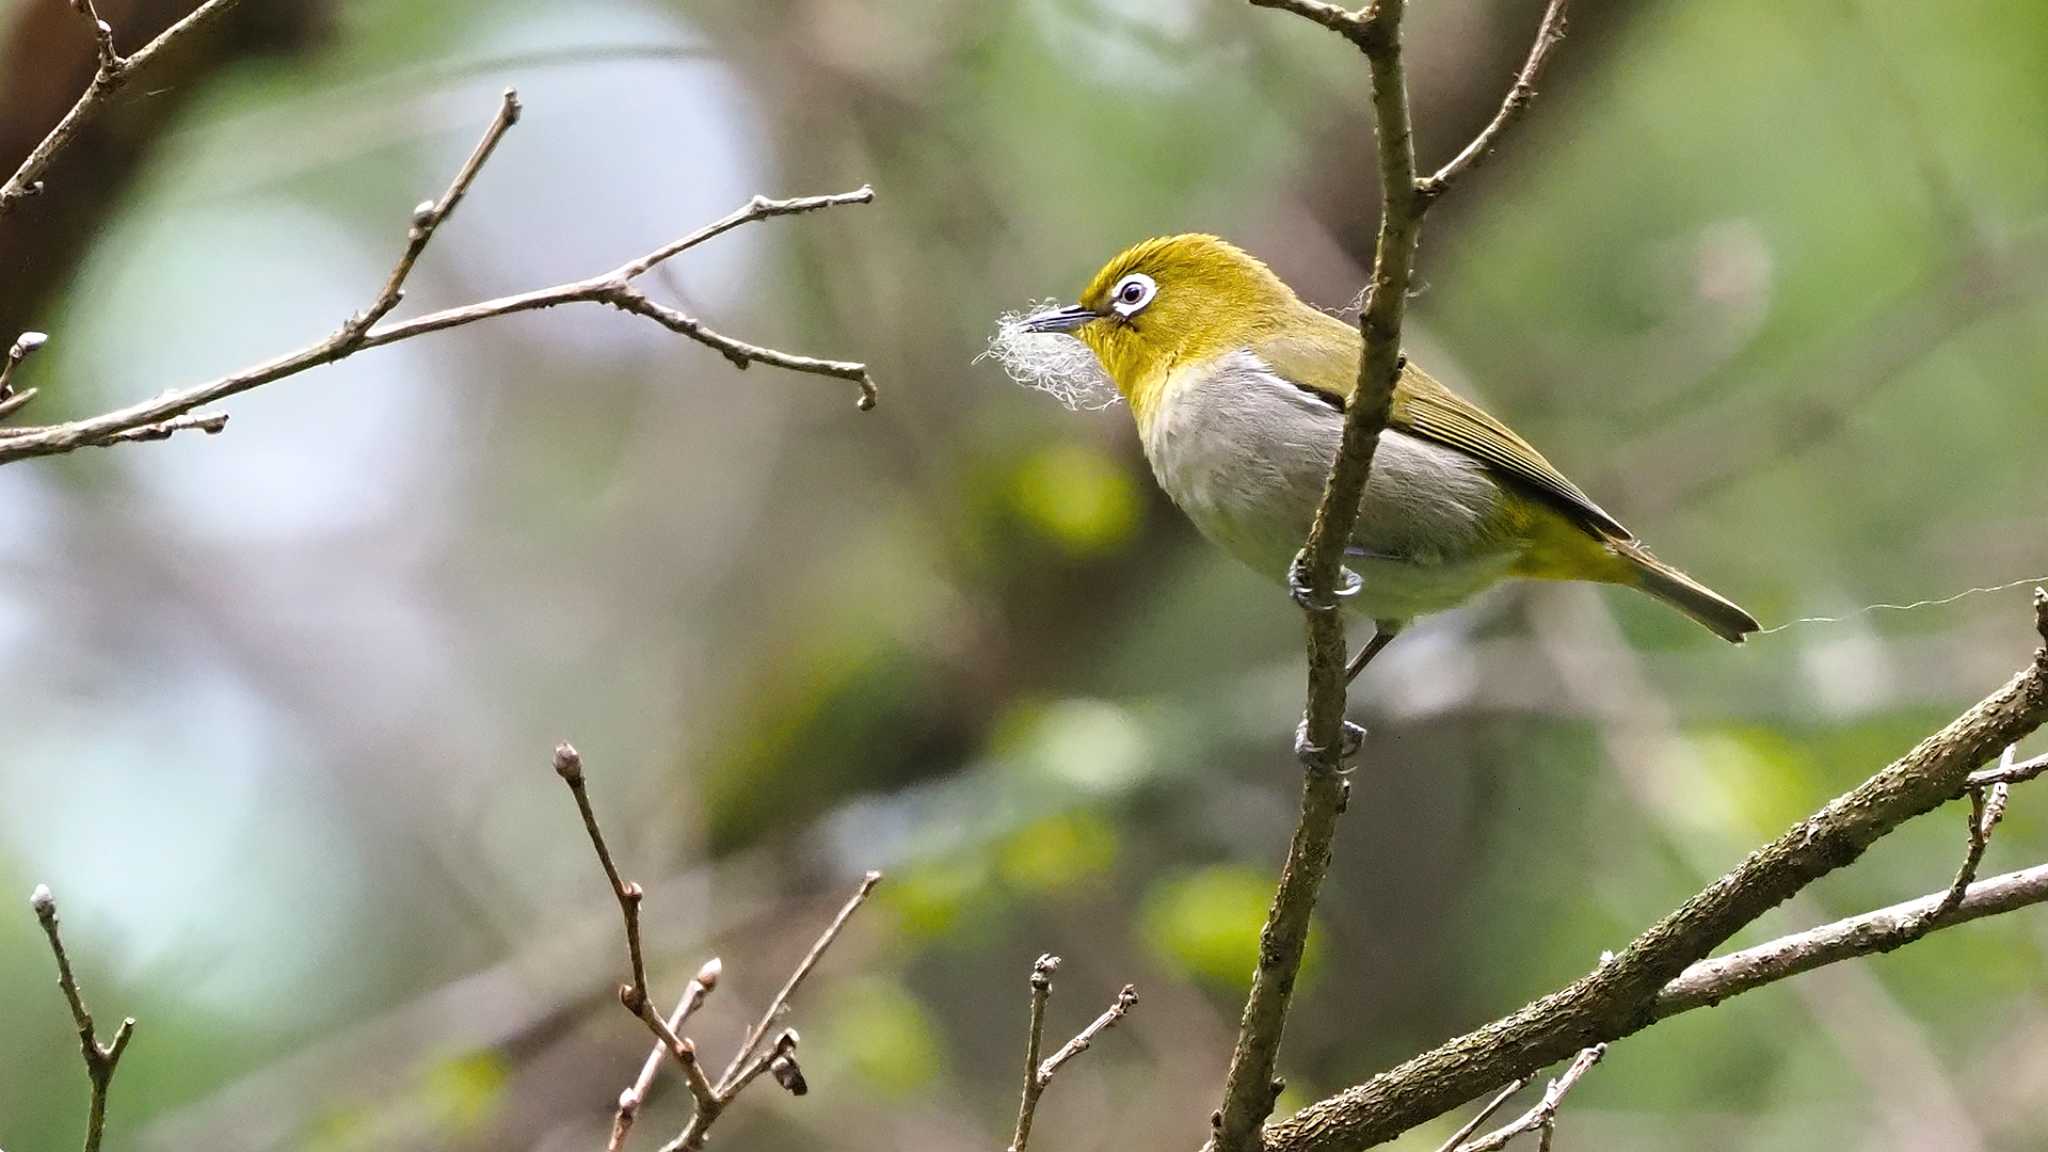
x,y
1767,278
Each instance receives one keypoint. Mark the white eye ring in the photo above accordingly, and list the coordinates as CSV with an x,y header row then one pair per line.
x,y
1132,293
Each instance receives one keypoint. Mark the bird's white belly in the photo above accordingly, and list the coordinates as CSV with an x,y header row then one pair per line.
x,y
1245,454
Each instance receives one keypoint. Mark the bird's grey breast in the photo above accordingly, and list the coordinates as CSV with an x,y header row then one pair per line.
x,y
1246,453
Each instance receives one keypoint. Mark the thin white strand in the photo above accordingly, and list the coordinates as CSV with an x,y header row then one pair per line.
x,y
1869,608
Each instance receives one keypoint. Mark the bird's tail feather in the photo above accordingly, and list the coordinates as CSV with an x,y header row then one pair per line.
x,y
1716,612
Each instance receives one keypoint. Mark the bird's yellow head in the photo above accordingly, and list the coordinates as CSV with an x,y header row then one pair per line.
x,y
1168,301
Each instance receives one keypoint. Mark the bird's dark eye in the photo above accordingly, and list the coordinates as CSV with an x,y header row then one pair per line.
x,y
1133,292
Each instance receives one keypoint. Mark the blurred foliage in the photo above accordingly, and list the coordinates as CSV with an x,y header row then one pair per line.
x,y
1767,279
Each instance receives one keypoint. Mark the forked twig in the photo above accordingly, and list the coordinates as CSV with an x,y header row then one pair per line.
x,y
1038,1073
778,1059
100,1059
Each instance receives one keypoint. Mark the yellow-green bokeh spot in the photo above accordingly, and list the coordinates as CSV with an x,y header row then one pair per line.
x,y
1058,852
885,1035
464,1090
1075,497
1205,925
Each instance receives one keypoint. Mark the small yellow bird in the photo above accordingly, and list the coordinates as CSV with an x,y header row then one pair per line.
x,y
1238,389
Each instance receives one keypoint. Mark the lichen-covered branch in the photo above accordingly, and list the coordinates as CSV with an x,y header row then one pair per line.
x,y
372,328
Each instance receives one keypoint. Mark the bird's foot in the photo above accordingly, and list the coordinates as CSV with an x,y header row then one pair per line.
x,y
1352,738
1298,588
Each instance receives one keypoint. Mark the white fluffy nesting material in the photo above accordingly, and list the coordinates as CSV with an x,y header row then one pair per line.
x,y
1054,363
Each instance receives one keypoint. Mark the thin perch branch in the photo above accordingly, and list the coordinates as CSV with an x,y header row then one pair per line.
x,y
371,328
100,1059
1317,576
114,71
1038,1074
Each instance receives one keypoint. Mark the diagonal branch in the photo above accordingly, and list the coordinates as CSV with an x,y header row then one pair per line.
x,y
100,1059
1317,576
1628,993
780,1003
1711,981
114,71
371,327
1519,97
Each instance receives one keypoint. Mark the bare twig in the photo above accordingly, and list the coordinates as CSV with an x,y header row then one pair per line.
x,y
1711,981
428,216
632,1098
114,70
780,1003
2008,772
1519,97
1987,808
1543,1117
1466,1129
1038,1073
749,1063
1317,576
371,327
100,1059
1628,993
633,994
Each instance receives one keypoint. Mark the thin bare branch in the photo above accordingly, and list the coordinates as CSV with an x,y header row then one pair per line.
x,y
1353,26
1543,1117
1317,577
1466,1129
1711,981
1027,1104
631,1099
372,328
102,34
633,994
429,215
100,1059
1038,1073
2010,773
1519,97
780,1003
1987,808
114,70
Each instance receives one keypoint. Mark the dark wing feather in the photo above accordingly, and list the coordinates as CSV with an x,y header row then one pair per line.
x,y
1424,406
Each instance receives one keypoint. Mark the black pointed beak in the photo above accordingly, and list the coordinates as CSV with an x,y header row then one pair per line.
x,y
1059,319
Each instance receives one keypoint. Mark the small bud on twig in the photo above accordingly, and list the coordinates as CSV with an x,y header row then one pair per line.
x,y
568,762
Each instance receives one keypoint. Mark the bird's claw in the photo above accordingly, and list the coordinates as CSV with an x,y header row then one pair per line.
x,y
1299,590
1351,739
